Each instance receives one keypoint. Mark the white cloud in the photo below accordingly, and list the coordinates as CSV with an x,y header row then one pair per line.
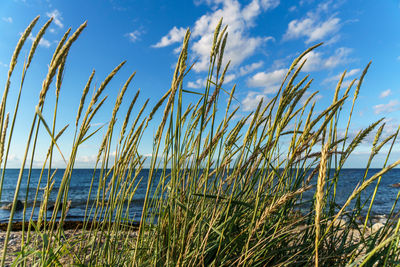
x,y
43,42
197,84
256,7
311,29
346,83
393,105
385,93
252,100
315,60
352,72
251,67
325,28
339,57
7,19
201,82
134,36
313,26
336,78
175,35
240,19
177,50
3,65
307,94
230,77
57,18
270,81
269,4
305,2
391,125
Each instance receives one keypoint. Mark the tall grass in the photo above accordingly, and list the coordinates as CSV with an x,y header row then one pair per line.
x,y
227,187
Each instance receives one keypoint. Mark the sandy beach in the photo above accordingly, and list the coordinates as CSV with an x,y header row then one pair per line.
x,y
72,234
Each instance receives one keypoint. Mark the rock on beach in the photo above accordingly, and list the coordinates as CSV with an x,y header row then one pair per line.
x,y
19,206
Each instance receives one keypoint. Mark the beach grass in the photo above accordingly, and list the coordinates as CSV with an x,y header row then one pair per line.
x,y
228,186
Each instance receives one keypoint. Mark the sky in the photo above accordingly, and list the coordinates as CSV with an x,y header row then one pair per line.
x,y
264,37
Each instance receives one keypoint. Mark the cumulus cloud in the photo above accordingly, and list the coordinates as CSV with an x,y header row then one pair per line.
x,y
256,7
346,83
43,42
134,36
230,77
251,67
352,72
242,71
316,61
340,56
337,77
197,84
7,19
251,101
2,64
392,106
391,126
57,18
269,4
201,82
239,18
307,94
175,35
313,26
385,93
269,81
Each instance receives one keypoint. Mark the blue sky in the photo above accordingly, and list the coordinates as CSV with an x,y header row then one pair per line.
x,y
264,37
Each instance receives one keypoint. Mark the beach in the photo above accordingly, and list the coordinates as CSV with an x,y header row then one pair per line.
x,y
72,235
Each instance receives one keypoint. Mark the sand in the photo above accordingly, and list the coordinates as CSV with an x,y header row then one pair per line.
x,y
72,232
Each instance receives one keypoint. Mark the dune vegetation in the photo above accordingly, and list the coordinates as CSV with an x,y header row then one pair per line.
x,y
228,187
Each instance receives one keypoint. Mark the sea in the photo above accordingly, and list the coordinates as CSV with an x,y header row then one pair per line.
x,y
81,180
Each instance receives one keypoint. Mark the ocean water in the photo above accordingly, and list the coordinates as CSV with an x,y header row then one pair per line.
x,y
81,179
385,197
78,193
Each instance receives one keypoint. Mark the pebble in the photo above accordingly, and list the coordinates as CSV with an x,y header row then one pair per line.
x,y
19,206
379,219
376,227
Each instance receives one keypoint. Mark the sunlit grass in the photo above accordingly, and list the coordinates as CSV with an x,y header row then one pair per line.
x,y
227,187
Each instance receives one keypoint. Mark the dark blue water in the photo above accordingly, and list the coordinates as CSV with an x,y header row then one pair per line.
x,y
349,179
81,179
77,194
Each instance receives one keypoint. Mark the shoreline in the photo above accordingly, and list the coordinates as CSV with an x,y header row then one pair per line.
x,y
67,225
